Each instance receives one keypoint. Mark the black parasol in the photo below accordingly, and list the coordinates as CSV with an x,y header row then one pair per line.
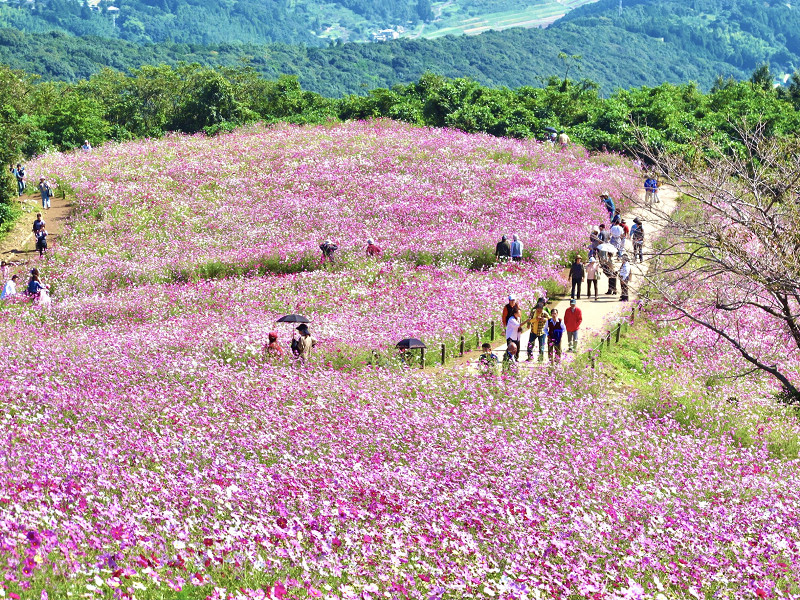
x,y
293,319
410,344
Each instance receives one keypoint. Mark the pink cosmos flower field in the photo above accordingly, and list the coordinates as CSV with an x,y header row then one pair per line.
x,y
150,449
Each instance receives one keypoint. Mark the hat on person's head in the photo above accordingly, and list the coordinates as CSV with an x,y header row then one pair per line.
x,y
602,225
572,302
625,258
369,241
302,328
591,260
622,220
504,238
512,297
272,336
515,237
637,221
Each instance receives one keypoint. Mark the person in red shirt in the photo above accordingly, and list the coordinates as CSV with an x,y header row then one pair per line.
x,y
572,321
372,248
273,349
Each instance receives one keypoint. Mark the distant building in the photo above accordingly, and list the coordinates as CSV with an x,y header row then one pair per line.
x,y
385,35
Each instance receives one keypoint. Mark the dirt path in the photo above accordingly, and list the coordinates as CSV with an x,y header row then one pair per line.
x,y
19,246
598,315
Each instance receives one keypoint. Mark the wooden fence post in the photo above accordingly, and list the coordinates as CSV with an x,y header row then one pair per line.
x,y
444,354
461,346
477,340
619,328
608,339
422,358
492,334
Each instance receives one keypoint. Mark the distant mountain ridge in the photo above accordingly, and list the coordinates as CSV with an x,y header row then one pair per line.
x,y
649,43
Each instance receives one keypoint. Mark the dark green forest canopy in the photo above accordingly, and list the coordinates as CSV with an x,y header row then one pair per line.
x,y
652,42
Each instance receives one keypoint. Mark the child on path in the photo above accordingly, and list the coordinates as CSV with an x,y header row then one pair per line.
x,y
487,361
41,240
513,329
555,331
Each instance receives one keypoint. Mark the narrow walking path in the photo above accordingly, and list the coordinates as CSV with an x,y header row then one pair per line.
x,y
19,245
598,314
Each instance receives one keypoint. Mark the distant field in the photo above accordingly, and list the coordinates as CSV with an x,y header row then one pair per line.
x,y
454,21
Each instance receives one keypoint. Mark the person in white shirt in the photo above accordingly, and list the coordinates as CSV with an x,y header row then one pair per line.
x,y
617,240
513,331
10,289
624,277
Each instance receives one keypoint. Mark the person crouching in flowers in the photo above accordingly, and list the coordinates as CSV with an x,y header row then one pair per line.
x,y
510,364
372,248
35,285
273,348
328,248
487,361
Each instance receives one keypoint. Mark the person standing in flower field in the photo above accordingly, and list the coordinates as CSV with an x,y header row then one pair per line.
x,y
513,330
624,278
45,191
503,249
572,322
555,332
576,275
537,321
516,248
508,309
86,147
609,202
592,275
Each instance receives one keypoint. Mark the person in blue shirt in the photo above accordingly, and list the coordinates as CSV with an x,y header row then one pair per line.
x,y
609,202
35,285
555,332
516,248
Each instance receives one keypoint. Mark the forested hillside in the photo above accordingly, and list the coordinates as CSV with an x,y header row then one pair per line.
x,y
650,43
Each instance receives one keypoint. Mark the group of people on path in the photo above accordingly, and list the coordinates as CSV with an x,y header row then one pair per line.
x,y
547,330
44,187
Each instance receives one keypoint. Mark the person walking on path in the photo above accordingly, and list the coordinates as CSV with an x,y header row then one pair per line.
x,y
328,248
41,240
611,274
576,275
513,329
508,309
624,278
304,344
572,321
372,248
503,249
537,322
45,191
651,191
609,202
555,332
617,239
592,275
637,237
38,223
10,288
19,174
516,249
